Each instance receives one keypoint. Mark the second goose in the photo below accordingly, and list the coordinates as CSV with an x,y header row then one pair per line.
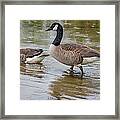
x,y
70,54
30,55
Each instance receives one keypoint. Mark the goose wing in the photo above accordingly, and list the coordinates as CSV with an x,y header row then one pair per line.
x,y
83,50
28,52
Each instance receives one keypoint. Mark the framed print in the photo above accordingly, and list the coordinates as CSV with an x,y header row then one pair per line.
x,y
59,59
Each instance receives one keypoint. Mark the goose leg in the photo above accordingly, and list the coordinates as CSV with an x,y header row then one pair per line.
x,y
71,68
81,68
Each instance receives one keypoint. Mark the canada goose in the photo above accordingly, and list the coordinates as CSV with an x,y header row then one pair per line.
x,y
70,54
30,55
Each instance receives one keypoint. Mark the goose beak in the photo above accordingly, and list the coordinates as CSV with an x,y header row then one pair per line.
x,y
48,29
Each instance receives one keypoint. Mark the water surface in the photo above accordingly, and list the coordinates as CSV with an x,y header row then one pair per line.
x,y
51,80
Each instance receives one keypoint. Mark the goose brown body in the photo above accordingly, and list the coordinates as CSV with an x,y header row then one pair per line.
x,y
29,53
72,54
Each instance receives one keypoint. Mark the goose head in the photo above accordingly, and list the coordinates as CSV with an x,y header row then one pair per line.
x,y
56,27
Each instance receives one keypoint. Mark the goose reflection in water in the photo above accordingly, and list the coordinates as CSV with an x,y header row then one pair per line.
x,y
67,88
35,70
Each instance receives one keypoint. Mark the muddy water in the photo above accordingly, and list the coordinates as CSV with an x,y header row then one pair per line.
x,y
51,80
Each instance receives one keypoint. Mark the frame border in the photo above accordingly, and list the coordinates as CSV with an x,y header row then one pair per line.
x,y
53,2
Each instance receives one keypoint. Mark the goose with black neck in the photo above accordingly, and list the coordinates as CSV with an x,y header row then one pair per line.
x,y
71,54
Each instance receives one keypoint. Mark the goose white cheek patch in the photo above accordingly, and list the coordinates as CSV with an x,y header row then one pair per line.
x,y
55,28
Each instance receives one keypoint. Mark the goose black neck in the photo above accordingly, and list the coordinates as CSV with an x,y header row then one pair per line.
x,y
59,36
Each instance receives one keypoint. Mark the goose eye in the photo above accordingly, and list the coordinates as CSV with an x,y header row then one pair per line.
x,y
55,28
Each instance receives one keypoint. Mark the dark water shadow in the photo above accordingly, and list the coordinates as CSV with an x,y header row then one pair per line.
x,y
72,87
34,70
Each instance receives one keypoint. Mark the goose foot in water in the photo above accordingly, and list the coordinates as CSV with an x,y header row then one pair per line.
x,y
81,68
71,69
68,71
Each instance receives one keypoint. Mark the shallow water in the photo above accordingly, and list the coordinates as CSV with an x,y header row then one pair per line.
x,y
51,80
